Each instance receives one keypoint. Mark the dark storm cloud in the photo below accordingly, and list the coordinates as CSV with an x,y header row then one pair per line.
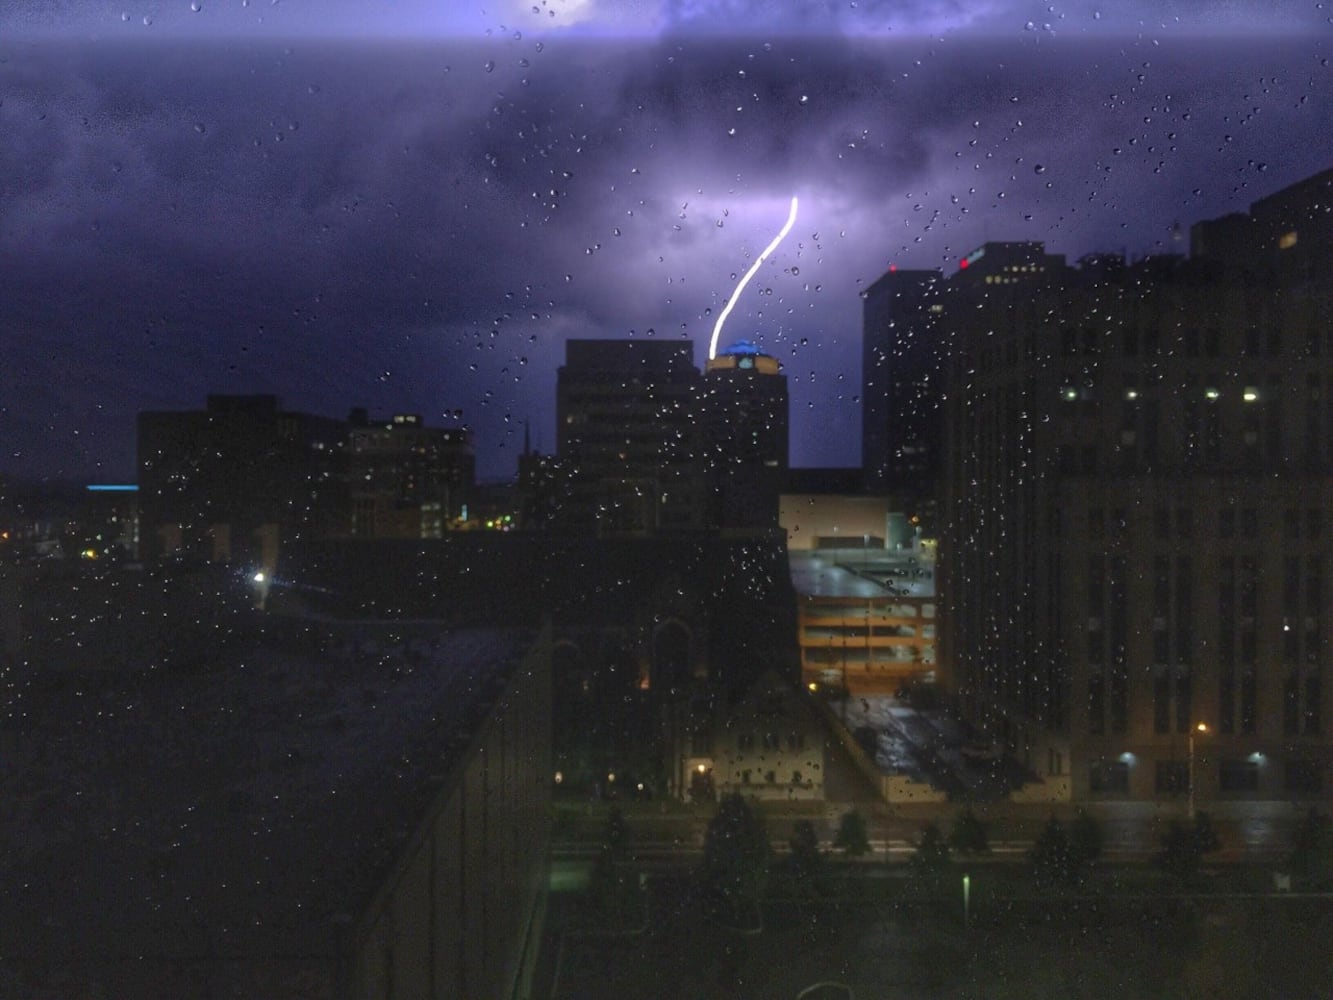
x,y
270,19
903,17
421,227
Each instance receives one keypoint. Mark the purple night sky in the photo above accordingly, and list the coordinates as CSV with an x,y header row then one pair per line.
x,y
411,205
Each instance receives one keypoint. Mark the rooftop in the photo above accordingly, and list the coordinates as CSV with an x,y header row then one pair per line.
x,y
245,811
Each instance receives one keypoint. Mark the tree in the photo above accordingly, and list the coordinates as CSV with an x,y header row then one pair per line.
x,y
610,888
1184,846
613,891
1085,838
808,865
968,835
1052,856
1311,857
852,838
734,871
931,859
1205,834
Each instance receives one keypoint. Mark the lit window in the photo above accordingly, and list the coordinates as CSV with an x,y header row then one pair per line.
x,y
1287,240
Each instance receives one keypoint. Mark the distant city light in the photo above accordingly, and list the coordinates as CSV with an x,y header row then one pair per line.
x,y
259,577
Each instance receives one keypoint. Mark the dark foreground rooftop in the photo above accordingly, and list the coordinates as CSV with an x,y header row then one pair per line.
x,y
247,810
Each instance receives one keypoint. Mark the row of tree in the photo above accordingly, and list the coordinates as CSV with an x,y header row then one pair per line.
x,y
735,869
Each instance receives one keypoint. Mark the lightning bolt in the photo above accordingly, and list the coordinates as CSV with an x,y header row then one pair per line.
x,y
717,327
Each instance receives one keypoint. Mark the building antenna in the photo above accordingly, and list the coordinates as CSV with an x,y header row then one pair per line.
x,y
782,233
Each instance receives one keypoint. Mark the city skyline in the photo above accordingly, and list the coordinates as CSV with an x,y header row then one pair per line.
x,y
420,227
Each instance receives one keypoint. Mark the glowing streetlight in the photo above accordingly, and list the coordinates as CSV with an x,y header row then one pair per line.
x,y
967,901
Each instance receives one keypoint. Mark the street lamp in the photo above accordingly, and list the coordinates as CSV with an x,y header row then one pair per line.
x,y
1200,728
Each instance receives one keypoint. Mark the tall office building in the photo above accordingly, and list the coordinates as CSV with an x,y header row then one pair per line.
x,y
905,345
1138,498
902,355
626,435
1284,238
743,418
404,479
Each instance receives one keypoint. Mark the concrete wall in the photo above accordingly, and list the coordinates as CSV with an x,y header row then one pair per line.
x,y
808,517
455,917
901,788
1054,789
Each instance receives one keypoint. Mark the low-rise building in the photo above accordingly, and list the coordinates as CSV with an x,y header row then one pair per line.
x,y
768,744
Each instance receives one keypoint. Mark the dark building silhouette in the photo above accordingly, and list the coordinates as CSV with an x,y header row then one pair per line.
x,y
626,436
1284,238
902,353
743,418
646,443
1138,496
236,480
904,348
227,482
365,815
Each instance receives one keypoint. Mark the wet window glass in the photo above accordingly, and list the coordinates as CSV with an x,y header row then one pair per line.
x,y
556,498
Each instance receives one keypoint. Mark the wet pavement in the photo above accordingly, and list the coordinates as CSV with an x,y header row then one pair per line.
x,y
928,747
